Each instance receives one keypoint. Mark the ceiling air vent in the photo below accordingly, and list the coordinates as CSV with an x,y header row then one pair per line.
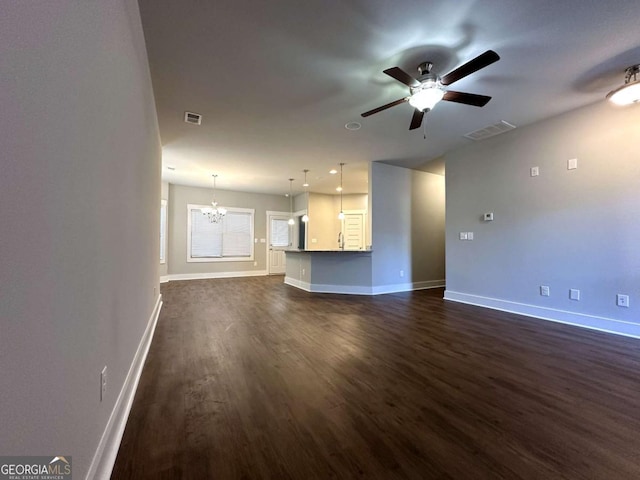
x,y
194,118
490,131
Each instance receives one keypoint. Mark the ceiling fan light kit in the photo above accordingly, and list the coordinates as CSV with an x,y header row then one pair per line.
x,y
629,93
428,89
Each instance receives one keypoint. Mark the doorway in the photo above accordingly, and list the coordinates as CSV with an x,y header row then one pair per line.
x,y
279,235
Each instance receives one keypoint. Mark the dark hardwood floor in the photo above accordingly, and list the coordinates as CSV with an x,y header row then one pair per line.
x,y
249,378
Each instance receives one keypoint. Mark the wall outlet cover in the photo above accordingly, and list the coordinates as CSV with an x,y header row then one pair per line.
x,y
572,163
545,291
535,171
463,235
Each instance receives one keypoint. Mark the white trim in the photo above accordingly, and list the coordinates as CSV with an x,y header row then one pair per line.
x,y
200,276
164,231
593,322
105,456
407,287
250,258
362,290
306,286
275,213
164,278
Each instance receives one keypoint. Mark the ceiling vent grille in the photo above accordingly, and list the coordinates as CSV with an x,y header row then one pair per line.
x,y
193,118
490,131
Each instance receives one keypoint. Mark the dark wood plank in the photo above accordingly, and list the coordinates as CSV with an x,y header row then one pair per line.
x,y
250,378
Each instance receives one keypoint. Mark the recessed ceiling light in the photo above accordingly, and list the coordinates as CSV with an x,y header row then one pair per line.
x,y
338,189
333,171
353,126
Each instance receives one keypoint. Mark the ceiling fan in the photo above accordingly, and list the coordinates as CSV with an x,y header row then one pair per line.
x,y
427,89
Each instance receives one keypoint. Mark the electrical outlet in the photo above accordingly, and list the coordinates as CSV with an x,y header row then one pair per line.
x,y
463,235
574,294
622,300
535,171
103,383
402,273
545,291
469,235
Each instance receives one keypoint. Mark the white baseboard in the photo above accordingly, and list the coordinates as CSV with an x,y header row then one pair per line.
x,y
164,278
407,287
362,290
592,322
199,276
105,456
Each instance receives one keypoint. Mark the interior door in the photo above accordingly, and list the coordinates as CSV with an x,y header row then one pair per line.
x,y
353,231
279,241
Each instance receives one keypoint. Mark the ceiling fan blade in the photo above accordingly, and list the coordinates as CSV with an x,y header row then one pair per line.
x,y
481,61
416,120
384,107
402,76
466,98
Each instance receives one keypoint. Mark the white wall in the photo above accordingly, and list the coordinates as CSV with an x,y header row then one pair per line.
x,y
79,209
565,228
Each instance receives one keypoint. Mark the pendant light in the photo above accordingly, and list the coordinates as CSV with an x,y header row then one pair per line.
x,y
341,214
305,217
630,92
214,213
291,222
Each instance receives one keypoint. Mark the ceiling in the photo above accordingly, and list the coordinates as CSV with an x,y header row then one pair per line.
x,y
277,81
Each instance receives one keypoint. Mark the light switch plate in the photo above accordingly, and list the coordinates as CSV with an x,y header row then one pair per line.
x,y
469,235
574,294
544,290
572,163
463,235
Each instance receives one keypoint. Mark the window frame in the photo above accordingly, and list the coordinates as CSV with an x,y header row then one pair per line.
x,y
191,207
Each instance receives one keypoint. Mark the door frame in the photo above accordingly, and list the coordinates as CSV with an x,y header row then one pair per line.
x,y
364,224
275,213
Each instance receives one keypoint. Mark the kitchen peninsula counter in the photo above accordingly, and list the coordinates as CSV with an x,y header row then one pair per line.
x,y
329,271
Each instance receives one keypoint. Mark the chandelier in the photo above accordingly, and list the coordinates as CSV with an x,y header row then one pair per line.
x,y
215,214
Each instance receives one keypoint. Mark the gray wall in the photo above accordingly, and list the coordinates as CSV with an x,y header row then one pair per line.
x,y
79,209
565,228
180,196
407,222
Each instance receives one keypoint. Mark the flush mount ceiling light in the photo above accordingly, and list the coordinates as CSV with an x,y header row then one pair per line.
x,y
333,171
353,126
630,92
215,214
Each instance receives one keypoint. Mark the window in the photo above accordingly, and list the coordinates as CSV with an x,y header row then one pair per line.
x,y
163,231
229,240
279,232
